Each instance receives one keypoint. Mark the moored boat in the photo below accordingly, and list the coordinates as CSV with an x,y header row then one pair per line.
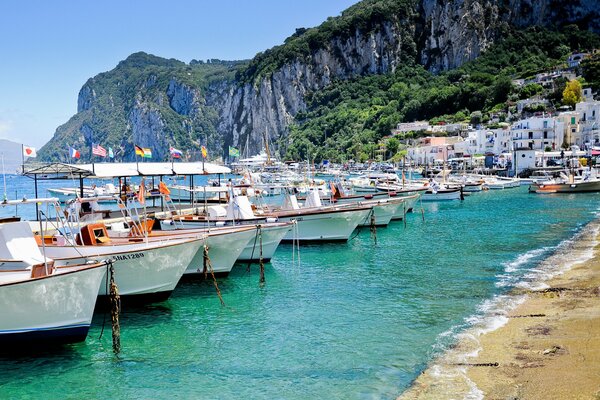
x,y
42,304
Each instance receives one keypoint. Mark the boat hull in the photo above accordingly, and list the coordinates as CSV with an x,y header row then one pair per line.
x,y
223,251
407,206
54,309
442,195
577,187
325,226
147,270
383,212
271,237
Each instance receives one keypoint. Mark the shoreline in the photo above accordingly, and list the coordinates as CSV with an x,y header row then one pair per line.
x,y
543,342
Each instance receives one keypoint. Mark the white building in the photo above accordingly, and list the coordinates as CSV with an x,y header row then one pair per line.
x,y
589,112
415,126
572,127
538,133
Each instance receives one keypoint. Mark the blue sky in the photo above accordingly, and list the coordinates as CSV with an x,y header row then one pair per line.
x,y
48,49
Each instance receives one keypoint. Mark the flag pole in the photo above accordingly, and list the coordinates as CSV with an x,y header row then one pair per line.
x,y
23,157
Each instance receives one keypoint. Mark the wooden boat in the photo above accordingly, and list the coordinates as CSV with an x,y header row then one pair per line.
x,y
42,303
146,269
314,223
566,187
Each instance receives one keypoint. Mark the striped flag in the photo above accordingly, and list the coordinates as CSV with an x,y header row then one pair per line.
x,y
147,152
98,150
141,195
175,153
110,153
204,152
139,151
74,153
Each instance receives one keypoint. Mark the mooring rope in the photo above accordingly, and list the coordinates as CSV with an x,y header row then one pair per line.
x,y
208,265
253,248
115,309
373,228
260,258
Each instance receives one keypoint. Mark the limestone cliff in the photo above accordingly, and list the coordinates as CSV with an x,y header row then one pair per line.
x,y
158,103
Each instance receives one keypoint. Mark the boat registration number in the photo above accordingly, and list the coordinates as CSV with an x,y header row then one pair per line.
x,y
133,256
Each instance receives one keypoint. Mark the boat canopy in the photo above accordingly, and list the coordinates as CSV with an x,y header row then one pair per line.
x,y
115,170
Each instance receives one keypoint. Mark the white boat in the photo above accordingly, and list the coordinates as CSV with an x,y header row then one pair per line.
x,y
437,192
66,194
41,303
198,193
145,269
225,245
509,182
315,222
382,212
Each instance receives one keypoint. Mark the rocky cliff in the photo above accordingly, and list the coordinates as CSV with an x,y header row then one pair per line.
x,y
159,103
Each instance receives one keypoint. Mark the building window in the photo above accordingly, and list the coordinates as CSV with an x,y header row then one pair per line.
x,y
545,134
530,135
545,124
572,120
573,130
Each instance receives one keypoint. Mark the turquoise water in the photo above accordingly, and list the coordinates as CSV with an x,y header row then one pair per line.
x,y
353,321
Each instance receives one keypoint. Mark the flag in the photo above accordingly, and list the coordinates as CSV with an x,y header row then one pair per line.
x,y
29,151
333,190
74,153
98,150
175,153
147,153
163,189
233,152
139,151
110,153
204,152
141,196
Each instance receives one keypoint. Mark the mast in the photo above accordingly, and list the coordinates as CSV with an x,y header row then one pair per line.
x,y
266,139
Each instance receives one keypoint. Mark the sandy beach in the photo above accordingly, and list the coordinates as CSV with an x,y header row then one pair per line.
x,y
547,348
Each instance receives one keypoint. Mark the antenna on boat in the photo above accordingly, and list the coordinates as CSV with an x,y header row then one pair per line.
x,y
4,177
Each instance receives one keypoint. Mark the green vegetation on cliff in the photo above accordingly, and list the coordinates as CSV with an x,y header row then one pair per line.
x,y
345,120
364,16
142,80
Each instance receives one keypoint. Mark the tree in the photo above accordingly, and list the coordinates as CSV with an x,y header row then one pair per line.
x,y
590,70
476,118
572,93
392,146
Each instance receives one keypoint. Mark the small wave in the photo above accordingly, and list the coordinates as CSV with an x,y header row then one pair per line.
x,y
493,313
524,259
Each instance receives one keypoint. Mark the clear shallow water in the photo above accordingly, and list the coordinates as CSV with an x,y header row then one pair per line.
x,y
353,321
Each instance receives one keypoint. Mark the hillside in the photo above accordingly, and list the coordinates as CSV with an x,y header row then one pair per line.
x,y
146,100
381,44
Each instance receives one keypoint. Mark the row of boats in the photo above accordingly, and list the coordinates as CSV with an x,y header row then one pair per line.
x,y
50,279
52,272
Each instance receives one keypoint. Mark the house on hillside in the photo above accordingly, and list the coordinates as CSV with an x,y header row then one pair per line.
x,y
538,133
576,58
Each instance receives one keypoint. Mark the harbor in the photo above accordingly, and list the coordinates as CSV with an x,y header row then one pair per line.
x,y
355,319
351,199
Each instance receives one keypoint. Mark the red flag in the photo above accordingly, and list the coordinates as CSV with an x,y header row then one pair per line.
x,y
141,196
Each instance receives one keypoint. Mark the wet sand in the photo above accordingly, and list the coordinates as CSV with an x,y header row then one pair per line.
x,y
549,347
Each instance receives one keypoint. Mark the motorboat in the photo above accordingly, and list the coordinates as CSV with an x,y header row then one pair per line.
x,y
146,269
43,302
